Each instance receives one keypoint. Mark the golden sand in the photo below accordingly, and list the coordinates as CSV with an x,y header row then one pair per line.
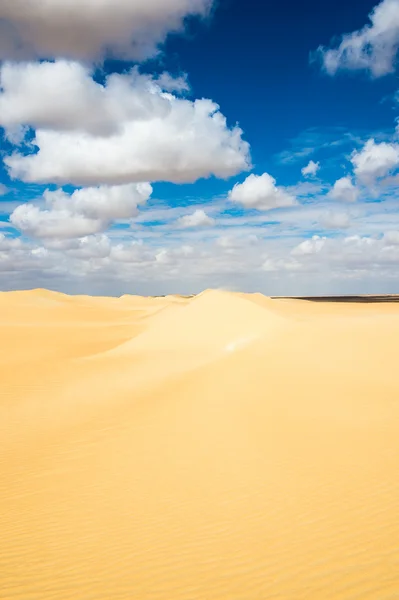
x,y
226,446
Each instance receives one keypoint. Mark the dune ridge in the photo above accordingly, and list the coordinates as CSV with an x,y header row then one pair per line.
x,y
223,446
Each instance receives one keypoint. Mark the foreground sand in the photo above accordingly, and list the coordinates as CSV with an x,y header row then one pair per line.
x,y
226,446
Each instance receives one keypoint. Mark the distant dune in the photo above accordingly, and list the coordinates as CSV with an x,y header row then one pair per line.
x,y
225,446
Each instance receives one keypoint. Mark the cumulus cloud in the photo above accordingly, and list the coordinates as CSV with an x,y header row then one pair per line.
x,y
198,218
87,30
312,246
88,247
391,238
373,48
311,169
132,253
173,84
52,224
85,212
63,96
261,192
127,130
115,263
107,203
8,243
375,160
236,243
278,265
344,190
354,257
172,256
335,220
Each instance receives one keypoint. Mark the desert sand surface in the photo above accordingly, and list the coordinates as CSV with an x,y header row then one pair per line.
x,y
225,446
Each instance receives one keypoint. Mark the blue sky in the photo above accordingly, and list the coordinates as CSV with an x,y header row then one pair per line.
x,y
185,145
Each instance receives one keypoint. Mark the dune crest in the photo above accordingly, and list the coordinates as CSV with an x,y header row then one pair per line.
x,y
224,446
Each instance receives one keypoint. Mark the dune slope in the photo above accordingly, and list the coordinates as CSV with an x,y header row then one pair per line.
x,y
225,446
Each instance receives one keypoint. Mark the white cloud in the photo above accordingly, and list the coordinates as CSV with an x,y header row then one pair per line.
x,y
88,247
132,252
374,47
57,224
311,169
85,212
3,189
235,241
199,218
173,84
83,29
279,265
335,220
63,96
107,203
261,192
294,266
312,246
128,130
172,256
391,238
8,243
344,190
354,257
375,160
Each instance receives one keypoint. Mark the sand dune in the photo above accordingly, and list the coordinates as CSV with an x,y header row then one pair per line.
x,y
225,446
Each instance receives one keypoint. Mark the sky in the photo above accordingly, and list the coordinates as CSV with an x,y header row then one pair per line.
x,y
170,146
